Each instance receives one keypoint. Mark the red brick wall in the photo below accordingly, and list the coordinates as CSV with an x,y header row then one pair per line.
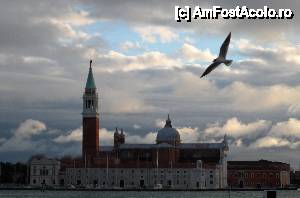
x,y
253,178
90,137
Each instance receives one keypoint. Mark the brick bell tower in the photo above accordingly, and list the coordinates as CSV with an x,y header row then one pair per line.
x,y
90,120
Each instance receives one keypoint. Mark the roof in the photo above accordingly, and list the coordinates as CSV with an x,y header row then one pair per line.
x,y
137,146
201,145
180,146
106,148
90,83
255,165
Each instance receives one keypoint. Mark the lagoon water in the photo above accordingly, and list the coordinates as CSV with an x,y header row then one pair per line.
x,y
142,194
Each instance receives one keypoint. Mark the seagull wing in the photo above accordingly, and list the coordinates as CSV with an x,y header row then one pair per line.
x,y
224,47
210,68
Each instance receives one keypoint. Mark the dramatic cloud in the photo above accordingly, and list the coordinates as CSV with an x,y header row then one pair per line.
x,y
29,127
290,128
267,142
73,136
189,134
234,128
21,138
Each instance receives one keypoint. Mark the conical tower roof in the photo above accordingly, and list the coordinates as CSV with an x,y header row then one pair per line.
x,y
90,83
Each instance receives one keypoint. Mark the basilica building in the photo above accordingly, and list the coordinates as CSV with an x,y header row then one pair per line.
x,y
166,163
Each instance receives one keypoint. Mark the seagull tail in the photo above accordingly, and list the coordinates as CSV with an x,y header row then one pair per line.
x,y
228,62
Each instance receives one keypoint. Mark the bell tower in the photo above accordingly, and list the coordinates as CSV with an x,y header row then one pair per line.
x,y
90,119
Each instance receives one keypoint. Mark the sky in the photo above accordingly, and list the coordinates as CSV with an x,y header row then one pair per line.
x,y
145,66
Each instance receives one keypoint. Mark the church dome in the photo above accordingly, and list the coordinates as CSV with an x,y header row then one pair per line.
x,y
168,134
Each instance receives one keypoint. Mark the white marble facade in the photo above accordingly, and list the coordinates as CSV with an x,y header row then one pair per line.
x,y
44,172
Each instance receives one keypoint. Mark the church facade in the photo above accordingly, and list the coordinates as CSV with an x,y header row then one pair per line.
x,y
167,163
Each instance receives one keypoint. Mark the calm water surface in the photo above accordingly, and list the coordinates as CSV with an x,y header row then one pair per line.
x,y
145,194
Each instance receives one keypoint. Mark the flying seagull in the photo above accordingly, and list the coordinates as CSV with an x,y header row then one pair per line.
x,y
221,58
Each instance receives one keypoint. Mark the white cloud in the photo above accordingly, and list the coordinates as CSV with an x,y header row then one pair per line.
x,y
127,45
34,59
106,137
73,136
189,134
267,142
159,123
149,138
29,127
124,102
191,53
290,128
235,128
21,138
114,61
152,33
249,98
77,18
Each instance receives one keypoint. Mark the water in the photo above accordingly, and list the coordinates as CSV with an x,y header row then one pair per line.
x,y
144,194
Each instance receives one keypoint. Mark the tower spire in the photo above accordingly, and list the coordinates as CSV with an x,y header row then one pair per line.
x,y
90,82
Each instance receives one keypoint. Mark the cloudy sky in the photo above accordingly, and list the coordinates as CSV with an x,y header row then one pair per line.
x,y
147,65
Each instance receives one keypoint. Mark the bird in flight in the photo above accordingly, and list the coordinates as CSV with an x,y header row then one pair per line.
x,y
221,58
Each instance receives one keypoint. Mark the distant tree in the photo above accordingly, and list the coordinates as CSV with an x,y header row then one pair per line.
x,y
13,173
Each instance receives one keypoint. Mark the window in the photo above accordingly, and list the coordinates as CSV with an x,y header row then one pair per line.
x,y
34,181
211,182
53,181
